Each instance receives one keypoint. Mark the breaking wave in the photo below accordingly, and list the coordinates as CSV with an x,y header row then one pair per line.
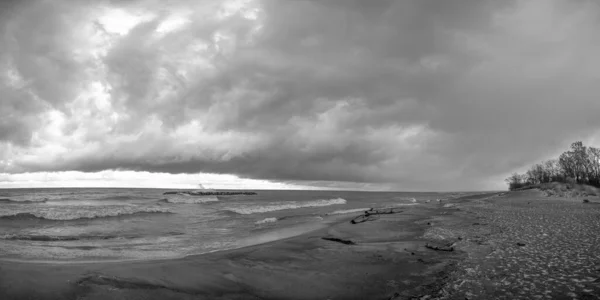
x,y
348,211
246,210
81,214
121,197
55,238
403,204
5,200
266,220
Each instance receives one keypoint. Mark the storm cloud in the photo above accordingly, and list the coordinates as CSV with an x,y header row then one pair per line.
x,y
421,94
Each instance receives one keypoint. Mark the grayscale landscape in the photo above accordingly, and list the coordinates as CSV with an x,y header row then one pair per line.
x,y
299,149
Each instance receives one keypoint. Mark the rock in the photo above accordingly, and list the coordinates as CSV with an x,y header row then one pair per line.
x,y
520,244
208,193
586,201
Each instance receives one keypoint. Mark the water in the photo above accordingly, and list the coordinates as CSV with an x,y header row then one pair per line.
x,y
94,225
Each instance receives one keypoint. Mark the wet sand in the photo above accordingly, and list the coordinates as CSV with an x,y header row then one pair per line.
x,y
410,254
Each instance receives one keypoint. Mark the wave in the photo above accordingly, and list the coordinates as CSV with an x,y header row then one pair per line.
x,y
56,238
120,197
6,200
402,204
80,215
246,210
266,220
190,199
66,238
348,211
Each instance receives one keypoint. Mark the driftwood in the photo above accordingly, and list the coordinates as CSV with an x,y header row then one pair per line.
x,y
371,214
346,242
439,248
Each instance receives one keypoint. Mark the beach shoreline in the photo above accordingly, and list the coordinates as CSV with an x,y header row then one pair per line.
x,y
394,255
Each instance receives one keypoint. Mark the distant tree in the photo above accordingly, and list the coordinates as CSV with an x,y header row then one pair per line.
x,y
553,170
593,155
580,159
515,181
567,164
580,164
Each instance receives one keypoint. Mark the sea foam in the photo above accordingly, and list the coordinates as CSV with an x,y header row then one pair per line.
x,y
266,220
246,210
348,211
82,213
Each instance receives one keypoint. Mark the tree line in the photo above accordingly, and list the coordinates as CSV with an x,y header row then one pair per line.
x,y
580,165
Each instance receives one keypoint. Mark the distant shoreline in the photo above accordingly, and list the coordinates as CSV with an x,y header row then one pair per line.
x,y
258,190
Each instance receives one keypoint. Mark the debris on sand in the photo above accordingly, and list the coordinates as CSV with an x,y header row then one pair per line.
x,y
346,242
371,214
439,248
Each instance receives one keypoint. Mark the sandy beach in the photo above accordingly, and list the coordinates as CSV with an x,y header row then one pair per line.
x,y
489,246
530,246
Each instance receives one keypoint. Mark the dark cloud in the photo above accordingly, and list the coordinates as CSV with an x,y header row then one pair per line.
x,y
396,94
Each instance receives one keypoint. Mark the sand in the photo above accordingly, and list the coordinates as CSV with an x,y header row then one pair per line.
x,y
530,247
463,248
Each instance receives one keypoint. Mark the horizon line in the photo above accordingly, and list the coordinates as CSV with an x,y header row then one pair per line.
x,y
241,189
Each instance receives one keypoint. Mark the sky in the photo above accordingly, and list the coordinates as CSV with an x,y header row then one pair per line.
x,y
415,95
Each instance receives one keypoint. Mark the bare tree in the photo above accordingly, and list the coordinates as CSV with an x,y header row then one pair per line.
x,y
580,164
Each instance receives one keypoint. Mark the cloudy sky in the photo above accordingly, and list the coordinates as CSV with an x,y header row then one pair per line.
x,y
390,95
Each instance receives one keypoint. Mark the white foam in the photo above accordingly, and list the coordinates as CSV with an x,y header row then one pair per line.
x,y
85,212
246,210
404,204
266,220
86,203
348,211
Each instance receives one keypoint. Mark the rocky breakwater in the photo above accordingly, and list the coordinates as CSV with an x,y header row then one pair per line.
x,y
209,193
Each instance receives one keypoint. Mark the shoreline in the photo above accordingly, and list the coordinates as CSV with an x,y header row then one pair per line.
x,y
334,219
389,257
